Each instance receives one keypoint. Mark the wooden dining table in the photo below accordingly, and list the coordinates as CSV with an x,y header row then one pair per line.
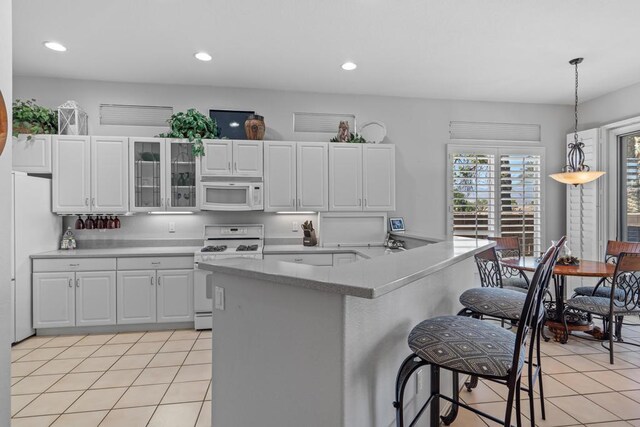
x,y
575,322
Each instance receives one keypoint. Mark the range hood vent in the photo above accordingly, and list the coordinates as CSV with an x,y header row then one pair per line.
x,y
321,122
134,115
494,132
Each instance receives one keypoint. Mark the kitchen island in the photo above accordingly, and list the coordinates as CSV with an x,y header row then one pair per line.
x,y
300,345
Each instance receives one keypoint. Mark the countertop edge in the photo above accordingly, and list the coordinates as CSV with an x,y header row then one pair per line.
x,y
343,288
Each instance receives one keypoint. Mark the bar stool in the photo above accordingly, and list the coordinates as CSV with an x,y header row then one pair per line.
x,y
507,305
470,346
509,248
491,276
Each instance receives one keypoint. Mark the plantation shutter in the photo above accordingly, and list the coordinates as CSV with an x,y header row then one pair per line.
x,y
472,210
582,209
521,199
496,191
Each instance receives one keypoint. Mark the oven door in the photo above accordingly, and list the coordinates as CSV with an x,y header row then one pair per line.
x,y
202,291
230,196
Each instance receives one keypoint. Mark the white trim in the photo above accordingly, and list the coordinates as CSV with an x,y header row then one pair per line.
x,y
608,188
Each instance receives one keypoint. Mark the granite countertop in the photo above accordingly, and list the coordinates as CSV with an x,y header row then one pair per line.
x,y
370,278
364,251
120,252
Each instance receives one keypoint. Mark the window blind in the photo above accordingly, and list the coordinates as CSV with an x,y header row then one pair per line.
x,y
496,191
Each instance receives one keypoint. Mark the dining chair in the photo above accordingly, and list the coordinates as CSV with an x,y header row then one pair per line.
x,y
509,248
603,287
623,299
470,346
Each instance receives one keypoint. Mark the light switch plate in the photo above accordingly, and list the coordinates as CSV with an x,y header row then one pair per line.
x,y
172,227
219,298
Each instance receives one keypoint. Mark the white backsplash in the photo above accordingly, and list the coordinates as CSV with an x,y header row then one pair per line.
x,y
144,226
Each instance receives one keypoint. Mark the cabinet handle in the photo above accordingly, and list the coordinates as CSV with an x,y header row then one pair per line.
x,y
70,282
235,166
77,283
159,281
155,263
151,280
365,202
297,259
229,165
359,202
161,202
293,202
93,201
86,201
168,201
73,265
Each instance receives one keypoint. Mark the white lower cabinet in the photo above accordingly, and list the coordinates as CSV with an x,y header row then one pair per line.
x,y
136,296
175,296
150,296
85,298
95,298
53,300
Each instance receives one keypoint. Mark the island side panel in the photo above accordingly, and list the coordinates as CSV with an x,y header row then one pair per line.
x,y
277,355
376,334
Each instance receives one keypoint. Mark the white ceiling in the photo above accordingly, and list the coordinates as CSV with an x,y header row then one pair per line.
x,y
496,50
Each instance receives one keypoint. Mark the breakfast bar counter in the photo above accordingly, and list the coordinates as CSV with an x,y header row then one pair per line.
x,y
301,345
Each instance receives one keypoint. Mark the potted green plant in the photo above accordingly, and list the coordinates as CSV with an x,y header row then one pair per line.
x,y
30,118
194,126
354,138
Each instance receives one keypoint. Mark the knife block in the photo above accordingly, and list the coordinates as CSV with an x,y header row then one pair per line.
x,y
309,238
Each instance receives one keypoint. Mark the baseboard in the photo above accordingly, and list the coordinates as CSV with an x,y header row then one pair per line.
x,y
107,329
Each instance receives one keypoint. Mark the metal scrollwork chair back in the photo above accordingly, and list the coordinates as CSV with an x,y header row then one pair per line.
x,y
489,268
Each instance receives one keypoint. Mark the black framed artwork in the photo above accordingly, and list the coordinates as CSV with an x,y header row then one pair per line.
x,y
231,122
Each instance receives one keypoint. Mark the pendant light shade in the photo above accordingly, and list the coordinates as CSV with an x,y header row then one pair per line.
x,y
576,172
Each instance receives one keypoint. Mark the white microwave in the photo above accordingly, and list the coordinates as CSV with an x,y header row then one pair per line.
x,y
231,196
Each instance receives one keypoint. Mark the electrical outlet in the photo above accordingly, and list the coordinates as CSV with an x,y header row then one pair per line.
x,y
419,381
219,298
295,225
172,227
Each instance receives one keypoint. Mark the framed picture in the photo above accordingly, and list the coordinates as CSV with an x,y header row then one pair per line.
x,y
396,224
231,122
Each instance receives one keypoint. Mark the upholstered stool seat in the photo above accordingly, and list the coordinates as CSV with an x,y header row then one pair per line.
x,y
466,345
599,305
601,291
515,282
494,302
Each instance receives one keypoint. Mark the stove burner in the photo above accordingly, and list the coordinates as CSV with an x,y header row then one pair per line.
x,y
220,248
246,248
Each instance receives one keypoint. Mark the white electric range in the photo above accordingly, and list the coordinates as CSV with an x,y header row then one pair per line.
x,y
220,242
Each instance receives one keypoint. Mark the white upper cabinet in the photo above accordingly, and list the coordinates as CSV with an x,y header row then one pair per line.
x,y
147,174
279,176
183,174
33,155
109,174
71,174
362,177
379,177
232,158
218,157
312,176
95,298
247,158
345,177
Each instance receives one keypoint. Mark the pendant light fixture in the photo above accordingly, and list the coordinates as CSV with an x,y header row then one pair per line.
x,y
576,172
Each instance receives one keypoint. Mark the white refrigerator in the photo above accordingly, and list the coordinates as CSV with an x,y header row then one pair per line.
x,y
34,229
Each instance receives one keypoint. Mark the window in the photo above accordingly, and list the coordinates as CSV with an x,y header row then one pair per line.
x,y
630,187
496,192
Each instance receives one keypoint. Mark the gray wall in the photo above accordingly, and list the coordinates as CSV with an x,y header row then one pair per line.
x,y
5,214
418,127
612,107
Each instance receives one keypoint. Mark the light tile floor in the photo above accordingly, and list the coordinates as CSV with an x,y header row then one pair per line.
x,y
159,379
581,387
153,379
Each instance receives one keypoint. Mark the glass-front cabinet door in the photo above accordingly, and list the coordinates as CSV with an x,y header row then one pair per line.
x,y
147,173
182,176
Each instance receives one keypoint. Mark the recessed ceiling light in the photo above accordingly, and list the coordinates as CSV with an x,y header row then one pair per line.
x,y
203,56
55,46
349,66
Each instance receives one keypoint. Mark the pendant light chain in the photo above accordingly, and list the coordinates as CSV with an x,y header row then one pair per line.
x,y
575,108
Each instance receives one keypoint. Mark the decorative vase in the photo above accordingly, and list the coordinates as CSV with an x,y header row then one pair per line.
x,y
254,127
